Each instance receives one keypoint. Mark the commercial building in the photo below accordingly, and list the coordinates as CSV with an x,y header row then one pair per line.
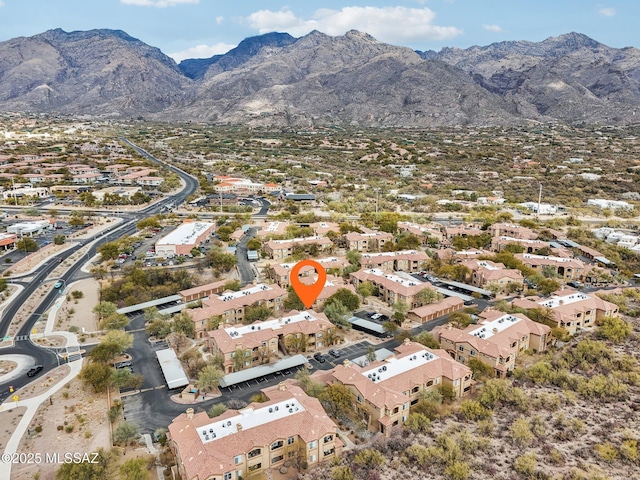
x,y
385,390
496,340
289,426
7,241
571,309
183,239
245,346
610,204
29,229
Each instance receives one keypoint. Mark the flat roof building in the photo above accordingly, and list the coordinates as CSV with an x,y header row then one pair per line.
x,y
183,239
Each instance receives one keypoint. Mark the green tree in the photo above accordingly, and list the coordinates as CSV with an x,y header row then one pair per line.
x,y
254,244
427,339
104,309
390,327
257,313
209,378
97,375
346,297
100,469
149,222
27,244
114,322
342,472
182,323
418,423
125,432
297,342
118,338
293,302
337,400
134,469
224,233
427,296
104,352
369,459
480,369
366,289
59,239
109,250
521,432
337,313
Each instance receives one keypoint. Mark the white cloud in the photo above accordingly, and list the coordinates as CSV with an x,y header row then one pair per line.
x,y
607,11
158,3
1,3
202,51
493,28
219,20
387,24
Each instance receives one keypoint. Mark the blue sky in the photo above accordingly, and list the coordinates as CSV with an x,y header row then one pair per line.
x,y
201,28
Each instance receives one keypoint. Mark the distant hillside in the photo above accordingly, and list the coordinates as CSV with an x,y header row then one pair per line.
x,y
352,79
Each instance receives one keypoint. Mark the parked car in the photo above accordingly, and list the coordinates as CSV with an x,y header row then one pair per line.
x,y
319,357
334,353
123,364
33,371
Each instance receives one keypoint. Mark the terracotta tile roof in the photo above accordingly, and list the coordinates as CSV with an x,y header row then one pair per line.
x,y
216,457
436,307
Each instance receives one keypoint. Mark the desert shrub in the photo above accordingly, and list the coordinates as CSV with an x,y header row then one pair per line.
x,y
418,423
458,471
520,432
217,410
474,411
628,450
526,464
615,329
369,458
342,472
607,452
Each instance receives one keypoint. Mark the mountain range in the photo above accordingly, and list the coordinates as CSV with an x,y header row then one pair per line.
x,y
319,79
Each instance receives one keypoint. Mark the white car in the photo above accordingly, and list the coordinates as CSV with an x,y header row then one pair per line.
x,y
376,316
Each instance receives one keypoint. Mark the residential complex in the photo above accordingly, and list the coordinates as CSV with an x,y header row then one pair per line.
x,y
384,391
485,273
231,306
496,340
289,426
282,249
400,261
571,309
392,287
245,346
567,268
367,241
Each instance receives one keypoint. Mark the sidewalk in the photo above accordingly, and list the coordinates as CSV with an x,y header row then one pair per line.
x,y
32,404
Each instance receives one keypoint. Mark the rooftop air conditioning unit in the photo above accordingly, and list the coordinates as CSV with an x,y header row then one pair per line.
x,y
277,408
206,437
384,368
291,410
204,432
270,410
211,430
228,424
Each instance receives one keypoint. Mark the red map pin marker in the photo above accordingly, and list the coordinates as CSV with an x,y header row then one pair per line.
x,y
307,293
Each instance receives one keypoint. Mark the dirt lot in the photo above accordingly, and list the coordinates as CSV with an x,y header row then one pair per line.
x,y
74,421
78,312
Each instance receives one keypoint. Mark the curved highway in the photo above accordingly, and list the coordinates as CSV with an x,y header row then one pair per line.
x,y
22,342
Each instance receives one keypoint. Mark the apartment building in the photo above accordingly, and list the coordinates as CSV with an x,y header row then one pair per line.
x,y
289,426
485,272
202,291
231,306
497,340
498,244
400,261
281,249
260,342
280,272
462,231
421,231
571,309
392,287
512,230
367,241
384,391
567,268
429,312
272,229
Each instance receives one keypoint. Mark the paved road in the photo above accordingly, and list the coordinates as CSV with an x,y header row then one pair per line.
x,y
22,344
245,268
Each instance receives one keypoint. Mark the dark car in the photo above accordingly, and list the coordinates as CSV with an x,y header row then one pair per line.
x,y
319,357
334,353
33,371
123,364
